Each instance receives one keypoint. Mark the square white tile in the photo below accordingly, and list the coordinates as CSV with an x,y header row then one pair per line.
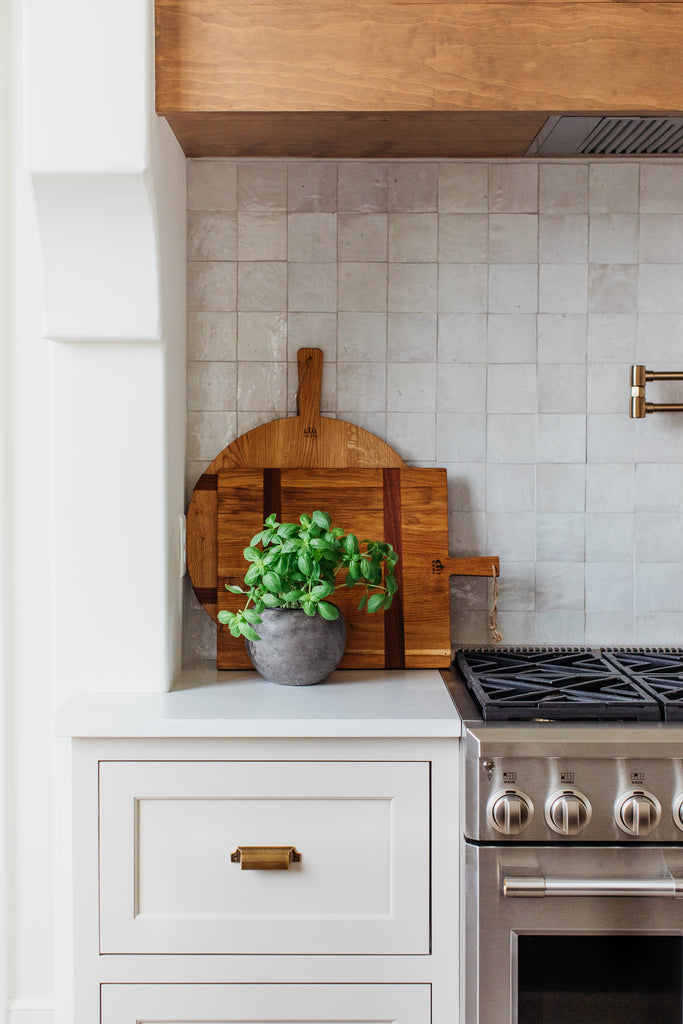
x,y
412,187
412,287
462,337
212,336
460,437
362,337
513,187
461,387
211,235
511,338
561,338
463,288
411,387
262,337
511,387
262,236
312,186
463,238
413,237
312,237
510,438
561,437
614,187
211,185
563,239
411,337
513,238
463,188
563,188
262,186
312,287
513,288
363,287
561,387
262,287
363,187
363,237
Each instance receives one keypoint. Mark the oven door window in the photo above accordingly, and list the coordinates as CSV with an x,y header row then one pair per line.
x,y
608,979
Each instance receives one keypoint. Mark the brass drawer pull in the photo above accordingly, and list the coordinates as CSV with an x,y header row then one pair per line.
x,y
265,858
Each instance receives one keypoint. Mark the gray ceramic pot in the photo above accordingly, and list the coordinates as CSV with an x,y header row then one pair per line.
x,y
295,649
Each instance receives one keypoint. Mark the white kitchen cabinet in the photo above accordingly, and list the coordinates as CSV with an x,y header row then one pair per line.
x,y
265,1004
167,831
168,928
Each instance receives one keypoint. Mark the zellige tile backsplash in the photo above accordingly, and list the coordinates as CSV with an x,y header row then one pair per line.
x,y
476,315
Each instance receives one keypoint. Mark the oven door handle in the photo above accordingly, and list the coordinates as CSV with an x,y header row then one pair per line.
x,y
540,886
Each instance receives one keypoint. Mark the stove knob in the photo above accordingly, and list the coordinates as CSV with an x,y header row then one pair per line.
x,y
510,812
637,812
568,812
678,811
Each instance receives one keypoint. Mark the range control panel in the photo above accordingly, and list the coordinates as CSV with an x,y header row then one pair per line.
x,y
566,797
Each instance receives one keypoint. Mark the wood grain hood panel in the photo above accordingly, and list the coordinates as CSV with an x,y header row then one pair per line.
x,y
388,78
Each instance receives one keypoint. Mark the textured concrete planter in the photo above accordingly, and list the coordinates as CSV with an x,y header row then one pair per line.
x,y
294,649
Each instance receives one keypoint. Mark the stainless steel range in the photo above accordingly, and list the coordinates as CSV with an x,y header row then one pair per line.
x,y
573,835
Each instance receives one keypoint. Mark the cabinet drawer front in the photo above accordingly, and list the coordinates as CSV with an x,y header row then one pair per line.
x,y
279,1004
168,829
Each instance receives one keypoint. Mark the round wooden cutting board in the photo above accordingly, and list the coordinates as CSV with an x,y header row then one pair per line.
x,y
305,441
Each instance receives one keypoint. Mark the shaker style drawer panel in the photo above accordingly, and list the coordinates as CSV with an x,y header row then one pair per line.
x,y
356,879
266,1004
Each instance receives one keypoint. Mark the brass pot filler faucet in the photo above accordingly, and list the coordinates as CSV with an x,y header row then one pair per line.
x,y
638,407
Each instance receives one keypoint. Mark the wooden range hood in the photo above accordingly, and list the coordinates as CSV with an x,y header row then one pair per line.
x,y
405,78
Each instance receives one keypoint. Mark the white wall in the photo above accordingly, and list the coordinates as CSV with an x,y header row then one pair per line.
x,y
476,315
25,581
92,240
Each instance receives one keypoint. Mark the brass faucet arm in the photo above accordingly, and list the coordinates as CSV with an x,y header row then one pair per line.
x,y
638,407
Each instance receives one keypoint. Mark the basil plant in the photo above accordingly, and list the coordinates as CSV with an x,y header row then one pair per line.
x,y
301,565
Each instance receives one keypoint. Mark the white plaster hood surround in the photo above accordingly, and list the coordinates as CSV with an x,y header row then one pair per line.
x,y
108,180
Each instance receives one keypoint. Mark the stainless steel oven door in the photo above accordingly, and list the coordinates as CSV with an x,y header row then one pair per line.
x,y
573,934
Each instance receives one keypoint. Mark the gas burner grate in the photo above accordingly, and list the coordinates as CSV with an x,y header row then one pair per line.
x,y
557,684
659,672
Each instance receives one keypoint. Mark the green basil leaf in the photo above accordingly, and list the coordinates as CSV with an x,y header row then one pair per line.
x,y
251,616
351,544
226,617
322,520
375,602
248,632
366,569
328,611
233,589
251,554
252,574
270,601
305,563
272,581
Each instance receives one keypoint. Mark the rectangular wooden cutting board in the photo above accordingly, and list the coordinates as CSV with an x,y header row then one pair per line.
x,y
407,507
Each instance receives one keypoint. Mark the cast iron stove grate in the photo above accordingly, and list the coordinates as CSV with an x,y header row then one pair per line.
x,y
556,684
659,672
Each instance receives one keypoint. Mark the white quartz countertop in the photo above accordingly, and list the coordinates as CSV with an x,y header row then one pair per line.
x,y
389,703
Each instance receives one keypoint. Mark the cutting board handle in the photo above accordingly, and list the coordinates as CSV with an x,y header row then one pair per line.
x,y
310,362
